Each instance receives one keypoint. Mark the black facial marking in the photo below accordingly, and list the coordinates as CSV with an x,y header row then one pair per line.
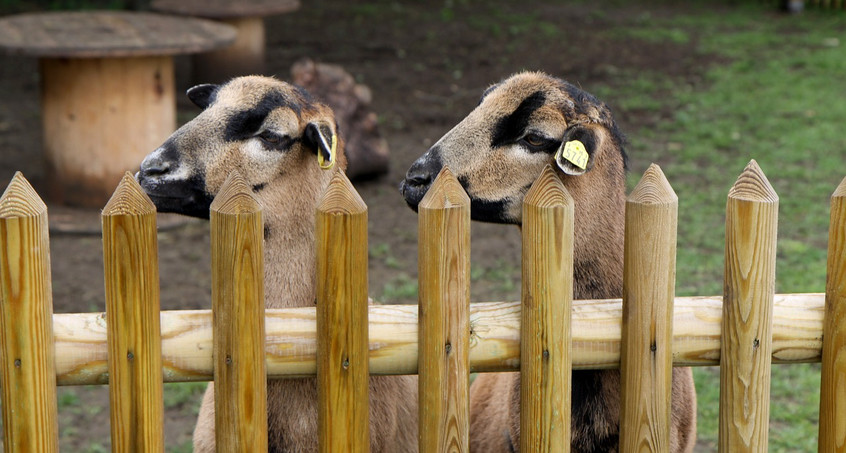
x,y
535,143
259,187
266,232
492,211
187,197
511,127
246,123
272,140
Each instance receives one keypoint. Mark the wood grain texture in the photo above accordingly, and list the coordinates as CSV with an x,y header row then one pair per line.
x,y
648,294
833,381
27,365
746,347
291,344
240,377
100,117
130,258
91,34
343,413
444,337
547,298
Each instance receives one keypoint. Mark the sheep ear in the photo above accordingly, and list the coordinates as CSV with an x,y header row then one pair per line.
x,y
202,95
322,139
575,155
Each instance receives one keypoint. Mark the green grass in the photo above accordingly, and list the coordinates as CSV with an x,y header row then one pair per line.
x,y
777,98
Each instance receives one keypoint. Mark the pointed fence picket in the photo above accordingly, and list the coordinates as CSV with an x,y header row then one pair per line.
x,y
546,354
645,333
646,357
27,370
343,415
240,377
444,345
131,263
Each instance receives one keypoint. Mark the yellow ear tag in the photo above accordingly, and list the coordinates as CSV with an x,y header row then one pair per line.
x,y
321,162
573,151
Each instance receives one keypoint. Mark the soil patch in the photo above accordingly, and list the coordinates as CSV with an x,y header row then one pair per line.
x,y
427,64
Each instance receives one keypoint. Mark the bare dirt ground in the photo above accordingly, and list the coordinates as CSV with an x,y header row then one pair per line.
x,y
427,64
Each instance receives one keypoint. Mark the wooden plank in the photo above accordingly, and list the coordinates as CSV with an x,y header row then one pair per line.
x,y
746,348
240,377
27,365
92,34
131,263
444,337
495,340
833,381
545,349
648,293
343,414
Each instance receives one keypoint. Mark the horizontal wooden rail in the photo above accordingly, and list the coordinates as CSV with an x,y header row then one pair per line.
x,y
494,341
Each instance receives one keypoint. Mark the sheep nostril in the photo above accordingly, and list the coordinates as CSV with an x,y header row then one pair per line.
x,y
419,179
155,166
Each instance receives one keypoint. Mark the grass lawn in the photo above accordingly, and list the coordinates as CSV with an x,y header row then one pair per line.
x,y
777,97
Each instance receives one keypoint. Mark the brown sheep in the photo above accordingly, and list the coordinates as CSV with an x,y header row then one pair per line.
x,y
271,133
496,153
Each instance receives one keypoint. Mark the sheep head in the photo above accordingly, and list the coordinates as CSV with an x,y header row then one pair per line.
x,y
520,125
273,133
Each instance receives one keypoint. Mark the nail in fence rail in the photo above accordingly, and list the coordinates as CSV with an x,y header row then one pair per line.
x,y
832,403
444,332
30,421
745,358
343,415
240,377
131,263
545,348
646,354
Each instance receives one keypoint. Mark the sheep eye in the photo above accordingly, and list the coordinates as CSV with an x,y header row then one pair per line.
x,y
535,140
273,140
269,137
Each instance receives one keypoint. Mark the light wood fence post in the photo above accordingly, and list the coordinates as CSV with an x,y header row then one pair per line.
x,y
240,377
545,347
131,263
649,282
746,346
833,382
28,378
343,415
444,294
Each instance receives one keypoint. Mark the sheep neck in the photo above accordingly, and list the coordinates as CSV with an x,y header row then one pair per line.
x,y
289,258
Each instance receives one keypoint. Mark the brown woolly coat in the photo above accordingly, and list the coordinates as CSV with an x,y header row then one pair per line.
x,y
496,152
270,132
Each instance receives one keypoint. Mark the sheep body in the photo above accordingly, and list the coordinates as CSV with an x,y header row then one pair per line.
x,y
497,152
271,133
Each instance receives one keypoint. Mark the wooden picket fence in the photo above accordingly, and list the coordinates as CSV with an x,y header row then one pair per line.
x,y
134,347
